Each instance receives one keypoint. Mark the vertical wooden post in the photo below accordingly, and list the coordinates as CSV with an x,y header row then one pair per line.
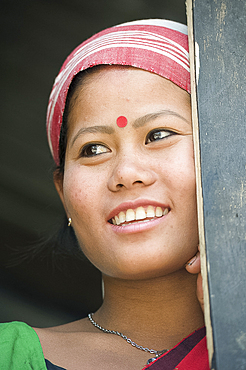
x,y
217,39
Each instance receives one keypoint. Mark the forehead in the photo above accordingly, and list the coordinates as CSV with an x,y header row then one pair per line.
x,y
111,82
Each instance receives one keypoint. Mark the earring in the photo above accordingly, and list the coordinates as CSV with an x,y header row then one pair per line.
x,y
69,222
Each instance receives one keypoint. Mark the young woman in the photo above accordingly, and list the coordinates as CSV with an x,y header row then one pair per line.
x,y
119,129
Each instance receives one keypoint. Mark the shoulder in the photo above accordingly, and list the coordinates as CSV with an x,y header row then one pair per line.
x,y
14,326
20,346
78,326
53,338
63,345
15,331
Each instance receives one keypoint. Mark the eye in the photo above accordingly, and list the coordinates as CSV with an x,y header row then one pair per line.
x,y
91,150
158,134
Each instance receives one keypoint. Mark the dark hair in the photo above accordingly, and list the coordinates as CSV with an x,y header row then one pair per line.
x,y
76,82
65,239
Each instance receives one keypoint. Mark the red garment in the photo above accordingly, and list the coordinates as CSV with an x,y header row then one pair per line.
x,y
190,354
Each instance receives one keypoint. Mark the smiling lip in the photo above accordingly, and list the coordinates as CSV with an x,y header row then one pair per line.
x,y
134,213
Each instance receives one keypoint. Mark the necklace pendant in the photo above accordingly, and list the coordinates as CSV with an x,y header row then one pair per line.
x,y
151,360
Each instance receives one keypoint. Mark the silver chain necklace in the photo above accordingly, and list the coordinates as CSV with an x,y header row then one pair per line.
x,y
128,340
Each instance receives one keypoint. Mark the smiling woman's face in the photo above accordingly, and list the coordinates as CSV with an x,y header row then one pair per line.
x,y
130,191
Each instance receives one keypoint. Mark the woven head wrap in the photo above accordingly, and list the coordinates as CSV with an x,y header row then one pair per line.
x,y
154,45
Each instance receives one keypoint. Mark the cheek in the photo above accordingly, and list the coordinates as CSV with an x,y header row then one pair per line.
x,y
180,170
186,175
83,198
77,198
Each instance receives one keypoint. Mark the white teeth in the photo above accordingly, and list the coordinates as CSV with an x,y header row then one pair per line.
x,y
150,211
165,212
139,214
158,212
130,215
117,220
122,217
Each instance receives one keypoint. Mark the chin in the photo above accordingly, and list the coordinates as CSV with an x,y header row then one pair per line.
x,y
144,270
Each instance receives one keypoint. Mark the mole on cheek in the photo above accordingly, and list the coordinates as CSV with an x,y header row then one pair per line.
x,y
121,121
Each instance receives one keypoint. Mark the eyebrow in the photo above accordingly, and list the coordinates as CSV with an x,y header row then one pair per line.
x,y
93,129
141,121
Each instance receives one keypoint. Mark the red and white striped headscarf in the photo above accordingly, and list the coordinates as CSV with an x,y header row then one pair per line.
x,y
155,45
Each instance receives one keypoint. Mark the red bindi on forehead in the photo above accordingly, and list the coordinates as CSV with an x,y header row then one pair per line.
x,y
121,121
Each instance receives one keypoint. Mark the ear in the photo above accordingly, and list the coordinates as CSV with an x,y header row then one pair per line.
x,y
58,181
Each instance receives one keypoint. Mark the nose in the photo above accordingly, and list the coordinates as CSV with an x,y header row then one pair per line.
x,y
130,173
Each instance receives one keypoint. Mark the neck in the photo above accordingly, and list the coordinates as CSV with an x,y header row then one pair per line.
x,y
158,308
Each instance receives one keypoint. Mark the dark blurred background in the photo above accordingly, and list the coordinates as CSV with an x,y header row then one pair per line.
x,y
36,36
